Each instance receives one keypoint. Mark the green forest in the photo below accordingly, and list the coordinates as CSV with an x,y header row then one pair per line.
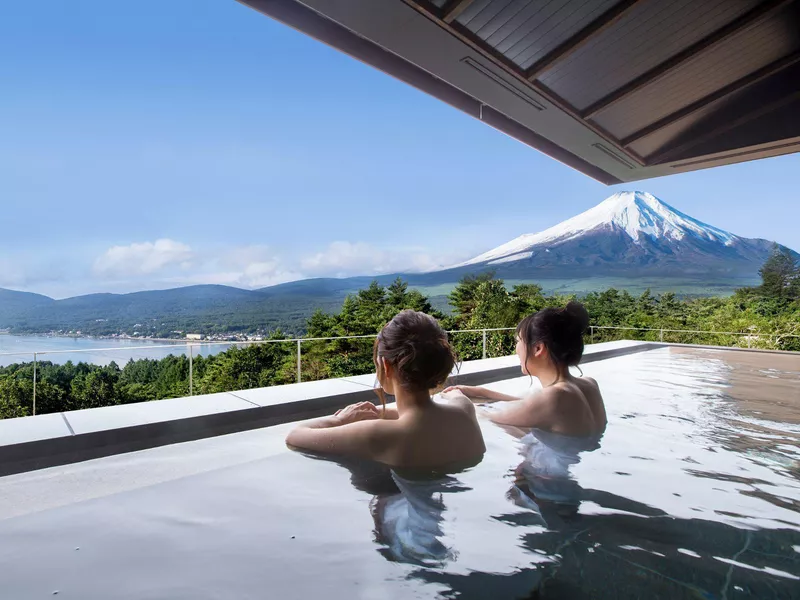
x,y
477,302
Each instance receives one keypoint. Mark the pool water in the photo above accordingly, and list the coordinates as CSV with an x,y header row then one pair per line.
x,y
692,492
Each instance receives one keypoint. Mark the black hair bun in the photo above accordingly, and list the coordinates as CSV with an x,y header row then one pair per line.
x,y
418,348
560,329
577,317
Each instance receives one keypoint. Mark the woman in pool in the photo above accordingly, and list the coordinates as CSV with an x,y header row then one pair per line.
x,y
549,342
413,359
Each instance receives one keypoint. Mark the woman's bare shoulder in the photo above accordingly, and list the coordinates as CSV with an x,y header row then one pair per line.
x,y
458,401
552,400
587,384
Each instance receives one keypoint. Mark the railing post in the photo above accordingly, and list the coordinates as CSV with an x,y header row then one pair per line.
x,y
299,364
484,343
661,335
591,334
191,372
34,384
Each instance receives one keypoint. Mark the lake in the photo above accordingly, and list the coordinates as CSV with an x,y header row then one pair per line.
x,y
20,348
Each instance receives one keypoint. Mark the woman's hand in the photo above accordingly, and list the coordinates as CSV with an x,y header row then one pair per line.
x,y
481,394
471,391
363,411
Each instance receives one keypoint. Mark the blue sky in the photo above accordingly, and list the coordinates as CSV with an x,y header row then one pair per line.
x,y
153,144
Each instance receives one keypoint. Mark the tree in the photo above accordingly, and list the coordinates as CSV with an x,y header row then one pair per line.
x,y
362,314
462,298
484,302
95,390
529,297
259,365
50,398
610,307
14,396
780,275
399,297
669,307
397,293
647,303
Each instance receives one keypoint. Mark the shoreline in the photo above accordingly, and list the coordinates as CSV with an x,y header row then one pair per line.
x,y
127,339
99,337
58,349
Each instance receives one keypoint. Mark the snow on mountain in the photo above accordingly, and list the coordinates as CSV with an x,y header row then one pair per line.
x,y
637,214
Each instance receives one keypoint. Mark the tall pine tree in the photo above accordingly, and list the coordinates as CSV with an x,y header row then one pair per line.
x,y
780,275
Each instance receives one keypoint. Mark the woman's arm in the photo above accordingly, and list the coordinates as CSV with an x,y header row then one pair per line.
x,y
481,393
355,431
538,410
389,412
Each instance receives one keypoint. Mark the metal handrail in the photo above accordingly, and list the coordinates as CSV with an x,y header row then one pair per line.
x,y
665,330
191,345
749,335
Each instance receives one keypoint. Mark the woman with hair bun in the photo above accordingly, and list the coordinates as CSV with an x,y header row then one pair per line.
x,y
413,359
549,342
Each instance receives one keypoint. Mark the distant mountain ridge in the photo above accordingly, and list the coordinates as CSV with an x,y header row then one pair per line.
x,y
204,308
628,238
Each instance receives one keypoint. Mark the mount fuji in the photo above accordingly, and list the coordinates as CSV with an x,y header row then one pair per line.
x,y
630,234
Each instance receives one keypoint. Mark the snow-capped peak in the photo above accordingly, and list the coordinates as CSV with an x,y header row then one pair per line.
x,y
636,213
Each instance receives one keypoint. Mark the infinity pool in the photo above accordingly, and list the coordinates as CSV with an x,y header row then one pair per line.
x,y
693,492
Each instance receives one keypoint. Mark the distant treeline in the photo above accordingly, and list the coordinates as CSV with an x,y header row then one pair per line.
x,y
478,302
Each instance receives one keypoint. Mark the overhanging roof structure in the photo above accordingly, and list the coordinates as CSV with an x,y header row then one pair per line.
x,y
620,90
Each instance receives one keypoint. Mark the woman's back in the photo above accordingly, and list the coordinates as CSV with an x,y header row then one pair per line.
x,y
442,434
578,406
594,399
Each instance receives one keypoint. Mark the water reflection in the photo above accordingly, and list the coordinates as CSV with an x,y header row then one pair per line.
x,y
442,527
543,481
598,538
408,524
408,508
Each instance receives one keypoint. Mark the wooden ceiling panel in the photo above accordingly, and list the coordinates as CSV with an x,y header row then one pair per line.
x,y
745,53
647,36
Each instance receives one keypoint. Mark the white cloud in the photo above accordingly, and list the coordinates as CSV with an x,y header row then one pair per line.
x,y
263,274
25,273
11,273
252,266
253,275
168,263
143,258
343,259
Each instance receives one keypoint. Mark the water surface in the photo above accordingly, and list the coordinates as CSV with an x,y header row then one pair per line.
x,y
98,351
693,492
